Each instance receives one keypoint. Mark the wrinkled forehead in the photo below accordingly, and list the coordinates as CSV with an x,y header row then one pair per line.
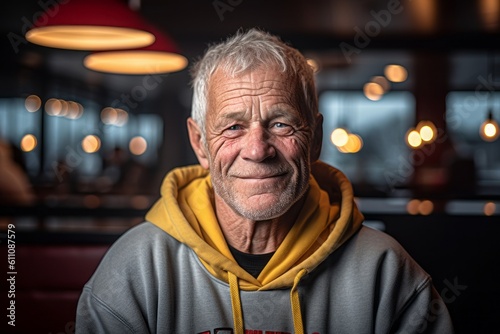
x,y
255,81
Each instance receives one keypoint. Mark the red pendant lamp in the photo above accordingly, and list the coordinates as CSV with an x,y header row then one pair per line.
x,y
158,58
90,25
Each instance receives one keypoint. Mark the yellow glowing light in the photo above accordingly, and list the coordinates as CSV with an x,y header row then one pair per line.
x,y
339,137
138,145
53,107
28,143
114,116
489,130
353,145
395,73
373,91
122,117
81,37
427,131
383,82
91,144
109,115
75,110
135,62
425,207
489,209
412,206
32,103
413,138
64,108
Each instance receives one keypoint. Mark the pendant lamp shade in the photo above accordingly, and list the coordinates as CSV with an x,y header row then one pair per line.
x,y
90,25
159,58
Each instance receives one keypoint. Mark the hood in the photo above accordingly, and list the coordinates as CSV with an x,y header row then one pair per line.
x,y
328,218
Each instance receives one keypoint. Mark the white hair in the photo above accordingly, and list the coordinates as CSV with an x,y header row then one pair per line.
x,y
246,51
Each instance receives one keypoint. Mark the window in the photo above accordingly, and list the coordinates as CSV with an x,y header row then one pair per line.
x,y
465,113
59,137
382,126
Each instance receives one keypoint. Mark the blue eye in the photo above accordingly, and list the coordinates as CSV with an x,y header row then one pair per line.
x,y
282,129
234,127
280,125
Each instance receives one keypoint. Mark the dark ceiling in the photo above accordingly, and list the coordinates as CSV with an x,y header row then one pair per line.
x,y
323,24
317,24
324,28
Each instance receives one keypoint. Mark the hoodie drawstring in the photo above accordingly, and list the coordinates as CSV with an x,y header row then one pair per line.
x,y
298,324
234,291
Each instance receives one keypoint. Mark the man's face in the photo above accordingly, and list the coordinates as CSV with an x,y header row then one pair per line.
x,y
258,142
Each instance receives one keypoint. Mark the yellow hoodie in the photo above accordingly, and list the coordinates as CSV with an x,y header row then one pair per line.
x,y
328,218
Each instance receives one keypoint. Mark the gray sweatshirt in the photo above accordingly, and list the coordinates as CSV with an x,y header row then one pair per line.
x,y
170,275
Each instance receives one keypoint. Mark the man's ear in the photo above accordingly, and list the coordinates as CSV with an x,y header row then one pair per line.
x,y
317,140
195,138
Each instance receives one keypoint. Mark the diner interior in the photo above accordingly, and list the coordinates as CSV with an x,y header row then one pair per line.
x,y
407,88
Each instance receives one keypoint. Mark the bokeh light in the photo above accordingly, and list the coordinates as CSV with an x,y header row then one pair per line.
x,y
413,138
53,107
32,103
420,207
114,116
91,144
382,81
412,206
427,131
138,145
63,108
489,209
489,130
373,91
28,143
353,145
395,73
75,110
426,207
339,137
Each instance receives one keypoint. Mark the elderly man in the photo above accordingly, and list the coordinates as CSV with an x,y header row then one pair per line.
x,y
260,237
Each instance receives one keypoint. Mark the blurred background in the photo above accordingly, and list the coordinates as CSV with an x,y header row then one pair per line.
x,y
408,90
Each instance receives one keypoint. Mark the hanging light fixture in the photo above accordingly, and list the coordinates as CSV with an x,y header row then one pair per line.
x,y
160,57
90,25
489,130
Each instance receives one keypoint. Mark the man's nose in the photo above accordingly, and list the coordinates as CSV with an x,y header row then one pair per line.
x,y
257,146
